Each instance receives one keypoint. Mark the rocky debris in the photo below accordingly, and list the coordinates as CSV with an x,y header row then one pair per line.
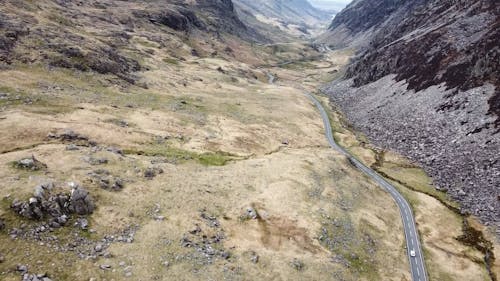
x,y
105,267
155,213
340,260
211,221
468,61
221,70
207,244
22,268
30,163
115,150
35,277
159,218
98,248
82,224
120,123
297,264
31,209
252,256
346,243
72,147
105,180
95,161
2,224
43,189
443,109
80,201
448,143
152,172
55,208
249,214
68,135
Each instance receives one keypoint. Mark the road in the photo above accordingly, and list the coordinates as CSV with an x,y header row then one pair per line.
x,y
417,265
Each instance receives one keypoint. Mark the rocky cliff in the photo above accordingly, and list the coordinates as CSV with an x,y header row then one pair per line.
x,y
426,83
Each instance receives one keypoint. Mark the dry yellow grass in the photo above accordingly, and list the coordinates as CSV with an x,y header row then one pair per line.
x,y
281,166
285,172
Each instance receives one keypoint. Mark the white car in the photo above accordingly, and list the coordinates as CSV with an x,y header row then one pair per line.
x,y
412,253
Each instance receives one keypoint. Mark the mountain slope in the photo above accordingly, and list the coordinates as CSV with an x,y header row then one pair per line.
x,y
358,22
426,83
293,16
328,5
96,35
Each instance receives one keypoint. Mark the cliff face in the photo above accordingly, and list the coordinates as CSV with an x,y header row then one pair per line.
x,y
426,83
451,42
96,35
360,20
360,16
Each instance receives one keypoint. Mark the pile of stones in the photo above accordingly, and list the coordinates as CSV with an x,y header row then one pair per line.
x,y
56,208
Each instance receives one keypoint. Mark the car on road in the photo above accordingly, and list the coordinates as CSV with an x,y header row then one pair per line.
x,y
412,253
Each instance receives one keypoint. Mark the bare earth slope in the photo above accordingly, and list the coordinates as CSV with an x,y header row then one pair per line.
x,y
427,85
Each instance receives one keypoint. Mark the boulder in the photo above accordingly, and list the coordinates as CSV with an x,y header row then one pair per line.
x,y
30,163
31,209
80,201
152,172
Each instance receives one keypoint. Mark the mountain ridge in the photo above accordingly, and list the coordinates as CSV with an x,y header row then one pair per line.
x,y
448,50
295,17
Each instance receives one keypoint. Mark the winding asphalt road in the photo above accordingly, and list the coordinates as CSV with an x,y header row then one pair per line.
x,y
417,265
414,250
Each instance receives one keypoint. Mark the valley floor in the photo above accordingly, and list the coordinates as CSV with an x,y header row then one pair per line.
x,y
210,173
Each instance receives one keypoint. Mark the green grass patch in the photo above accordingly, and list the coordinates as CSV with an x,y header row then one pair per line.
x,y
298,65
214,158
172,61
57,18
176,155
146,43
415,179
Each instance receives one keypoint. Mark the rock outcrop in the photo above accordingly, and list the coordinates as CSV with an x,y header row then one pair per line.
x,y
426,83
98,35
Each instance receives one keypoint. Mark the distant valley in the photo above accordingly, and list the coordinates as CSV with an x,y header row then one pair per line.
x,y
249,140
